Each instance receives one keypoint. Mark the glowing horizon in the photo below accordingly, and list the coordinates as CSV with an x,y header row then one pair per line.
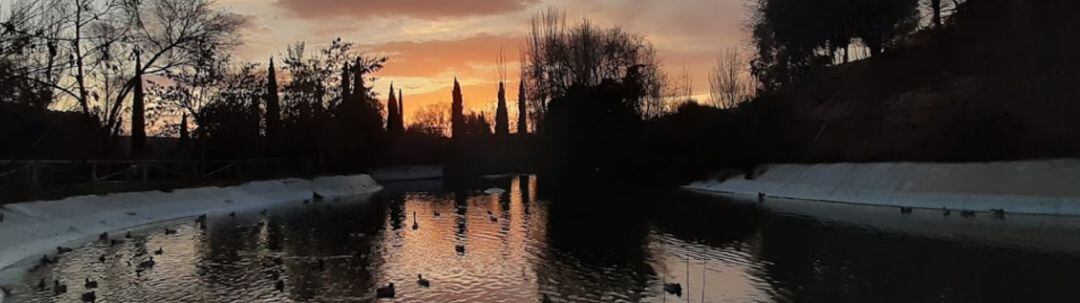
x,y
429,43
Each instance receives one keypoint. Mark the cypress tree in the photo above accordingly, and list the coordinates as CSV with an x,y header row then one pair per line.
x,y
184,136
273,107
391,111
522,127
401,110
457,112
346,91
138,110
502,117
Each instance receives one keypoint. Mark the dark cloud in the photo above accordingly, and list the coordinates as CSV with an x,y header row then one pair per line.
x,y
422,9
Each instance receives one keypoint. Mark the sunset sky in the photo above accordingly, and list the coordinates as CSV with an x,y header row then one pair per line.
x,y
429,42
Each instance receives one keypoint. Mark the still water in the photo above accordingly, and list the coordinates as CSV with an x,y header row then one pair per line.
x,y
518,248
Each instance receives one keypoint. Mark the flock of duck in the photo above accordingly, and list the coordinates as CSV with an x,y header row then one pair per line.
x,y
388,291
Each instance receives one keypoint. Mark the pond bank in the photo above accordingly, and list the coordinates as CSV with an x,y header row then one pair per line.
x,y
1039,187
32,228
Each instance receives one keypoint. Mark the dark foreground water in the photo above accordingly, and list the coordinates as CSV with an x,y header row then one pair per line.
x,y
518,248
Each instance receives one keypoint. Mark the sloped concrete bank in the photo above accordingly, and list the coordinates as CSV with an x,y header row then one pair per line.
x,y
1039,187
33,228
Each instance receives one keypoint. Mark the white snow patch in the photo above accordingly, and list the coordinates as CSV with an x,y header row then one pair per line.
x,y
1044,187
33,228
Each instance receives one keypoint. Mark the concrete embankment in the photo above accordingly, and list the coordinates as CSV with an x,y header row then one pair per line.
x,y
1041,187
34,228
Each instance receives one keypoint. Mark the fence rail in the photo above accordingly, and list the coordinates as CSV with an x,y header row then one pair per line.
x,y
30,176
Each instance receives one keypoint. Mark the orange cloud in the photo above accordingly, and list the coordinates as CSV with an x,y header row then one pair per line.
x,y
431,58
421,9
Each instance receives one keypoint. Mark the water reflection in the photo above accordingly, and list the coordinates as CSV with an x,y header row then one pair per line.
x,y
518,247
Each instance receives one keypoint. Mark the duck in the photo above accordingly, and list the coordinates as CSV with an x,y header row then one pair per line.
x,y
59,288
316,196
423,282
385,292
62,250
89,297
967,213
103,237
320,265
997,213
436,214
90,283
306,201
170,231
263,212
232,214
41,285
493,218
159,251
101,259
114,242
279,285
945,212
760,197
44,260
673,288
905,210
148,263
460,249
128,235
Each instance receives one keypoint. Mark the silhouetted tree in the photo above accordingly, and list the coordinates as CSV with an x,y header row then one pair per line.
x,y
794,36
457,112
432,119
522,122
184,136
502,116
728,83
273,109
391,112
561,56
401,111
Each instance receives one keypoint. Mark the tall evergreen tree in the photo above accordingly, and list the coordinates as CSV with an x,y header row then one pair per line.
x,y
457,112
522,127
273,107
184,136
391,112
346,90
401,111
502,117
138,111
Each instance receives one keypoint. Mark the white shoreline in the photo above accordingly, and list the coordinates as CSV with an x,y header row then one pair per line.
x,y
1036,187
34,228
